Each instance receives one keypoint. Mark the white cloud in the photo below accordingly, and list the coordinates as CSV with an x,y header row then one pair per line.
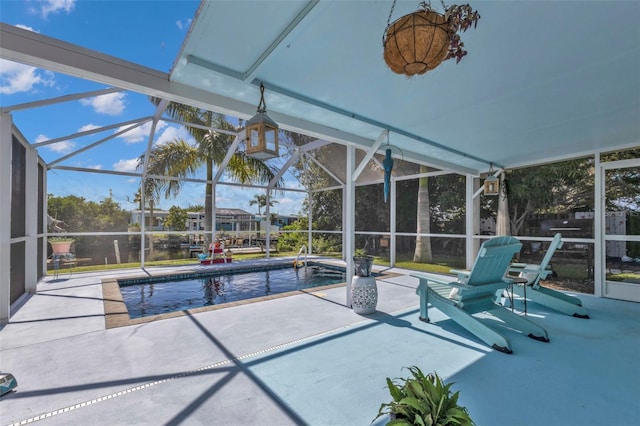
x,y
95,167
62,147
126,165
41,138
140,133
110,104
171,133
183,23
17,78
25,27
55,6
88,127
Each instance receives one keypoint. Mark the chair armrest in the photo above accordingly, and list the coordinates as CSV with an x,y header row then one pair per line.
x,y
437,280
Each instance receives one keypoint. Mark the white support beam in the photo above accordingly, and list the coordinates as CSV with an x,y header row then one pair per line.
x,y
28,47
599,228
162,106
232,150
472,212
200,126
310,225
350,218
318,143
89,132
326,169
5,216
392,224
31,220
60,99
369,155
100,142
283,169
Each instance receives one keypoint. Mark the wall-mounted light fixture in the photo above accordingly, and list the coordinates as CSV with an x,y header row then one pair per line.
x,y
491,183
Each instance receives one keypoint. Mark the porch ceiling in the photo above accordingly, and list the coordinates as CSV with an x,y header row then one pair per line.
x,y
542,80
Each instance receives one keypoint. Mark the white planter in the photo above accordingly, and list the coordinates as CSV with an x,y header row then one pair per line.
x,y
61,247
364,294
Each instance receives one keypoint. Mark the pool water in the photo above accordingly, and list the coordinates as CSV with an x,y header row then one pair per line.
x,y
168,296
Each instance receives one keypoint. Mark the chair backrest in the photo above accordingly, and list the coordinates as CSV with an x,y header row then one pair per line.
x,y
493,259
556,243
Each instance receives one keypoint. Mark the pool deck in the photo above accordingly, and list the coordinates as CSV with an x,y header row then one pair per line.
x,y
305,359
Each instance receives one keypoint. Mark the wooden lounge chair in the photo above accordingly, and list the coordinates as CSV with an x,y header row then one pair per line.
x,y
474,292
534,292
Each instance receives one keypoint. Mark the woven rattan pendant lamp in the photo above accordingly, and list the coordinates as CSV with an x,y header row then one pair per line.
x,y
420,41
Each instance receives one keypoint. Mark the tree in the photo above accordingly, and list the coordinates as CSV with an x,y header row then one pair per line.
x,y
261,201
176,219
423,252
181,159
81,215
551,188
151,197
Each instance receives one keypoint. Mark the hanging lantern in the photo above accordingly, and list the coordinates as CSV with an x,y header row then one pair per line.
x,y
417,42
262,133
491,183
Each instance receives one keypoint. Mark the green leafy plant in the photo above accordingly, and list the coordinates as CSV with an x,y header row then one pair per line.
x,y
423,400
359,253
459,18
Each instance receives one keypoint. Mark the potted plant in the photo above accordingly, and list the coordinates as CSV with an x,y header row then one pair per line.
x,y
61,245
425,400
362,263
420,41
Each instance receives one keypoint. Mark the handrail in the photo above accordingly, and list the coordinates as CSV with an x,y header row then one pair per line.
x,y
296,262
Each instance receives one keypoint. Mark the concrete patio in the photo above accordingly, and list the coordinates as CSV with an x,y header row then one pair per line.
x,y
306,359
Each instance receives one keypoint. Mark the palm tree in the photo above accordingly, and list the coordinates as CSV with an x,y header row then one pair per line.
x,y
423,252
261,201
178,158
151,198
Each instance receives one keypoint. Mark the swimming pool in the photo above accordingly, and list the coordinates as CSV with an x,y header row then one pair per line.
x,y
169,295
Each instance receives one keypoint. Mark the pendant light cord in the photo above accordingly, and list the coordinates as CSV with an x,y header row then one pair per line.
x,y
262,106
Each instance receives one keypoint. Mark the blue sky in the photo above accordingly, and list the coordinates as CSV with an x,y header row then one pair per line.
x,y
149,33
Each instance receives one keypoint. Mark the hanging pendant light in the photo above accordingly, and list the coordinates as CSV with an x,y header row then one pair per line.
x,y
262,133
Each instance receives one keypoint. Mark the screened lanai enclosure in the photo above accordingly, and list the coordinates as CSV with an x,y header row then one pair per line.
x,y
367,159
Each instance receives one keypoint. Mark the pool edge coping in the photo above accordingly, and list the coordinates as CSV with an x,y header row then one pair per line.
x,y
116,313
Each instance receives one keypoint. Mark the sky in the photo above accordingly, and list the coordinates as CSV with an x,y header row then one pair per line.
x,y
146,32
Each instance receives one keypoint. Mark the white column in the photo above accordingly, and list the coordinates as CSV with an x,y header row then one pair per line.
x,y
350,218
267,213
310,224
473,213
5,215
31,221
392,225
599,246
143,223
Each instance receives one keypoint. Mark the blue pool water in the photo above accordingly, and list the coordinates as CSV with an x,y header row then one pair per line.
x,y
156,298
